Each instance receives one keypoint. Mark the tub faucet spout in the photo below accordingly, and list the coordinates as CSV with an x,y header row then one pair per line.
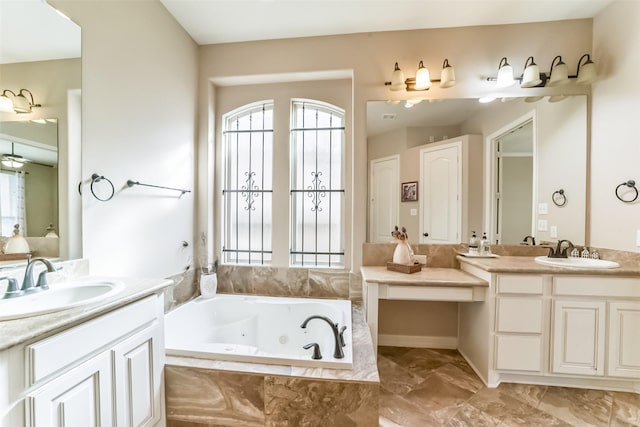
x,y
337,335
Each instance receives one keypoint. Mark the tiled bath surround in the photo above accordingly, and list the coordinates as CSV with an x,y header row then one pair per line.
x,y
287,282
217,393
210,393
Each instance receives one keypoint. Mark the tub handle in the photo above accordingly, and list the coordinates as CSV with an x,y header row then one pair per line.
x,y
344,328
316,350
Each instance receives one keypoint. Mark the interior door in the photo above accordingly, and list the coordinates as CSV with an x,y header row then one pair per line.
x,y
384,198
440,208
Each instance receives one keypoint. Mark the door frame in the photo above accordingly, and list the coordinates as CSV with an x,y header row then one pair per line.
x,y
490,177
395,157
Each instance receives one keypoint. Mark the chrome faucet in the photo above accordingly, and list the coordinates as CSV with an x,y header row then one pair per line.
x,y
533,240
337,334
559,252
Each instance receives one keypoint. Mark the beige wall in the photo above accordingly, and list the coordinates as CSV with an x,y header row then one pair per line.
x,y
615,151
139,90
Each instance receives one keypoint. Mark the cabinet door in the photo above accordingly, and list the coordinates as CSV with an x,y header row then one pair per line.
x,y
138,363
440,204
578,337
80,397
624,339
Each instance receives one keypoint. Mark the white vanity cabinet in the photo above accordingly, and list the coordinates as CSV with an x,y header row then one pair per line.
x,y
554,329
106,371
596,326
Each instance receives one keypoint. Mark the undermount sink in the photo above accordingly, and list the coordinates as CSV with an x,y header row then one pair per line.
x,y
59,296
577,262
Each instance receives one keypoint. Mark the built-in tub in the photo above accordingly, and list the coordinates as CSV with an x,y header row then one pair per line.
x,y
259,329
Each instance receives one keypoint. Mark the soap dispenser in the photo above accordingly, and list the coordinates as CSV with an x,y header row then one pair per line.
x,y
473,244
16,244
485,245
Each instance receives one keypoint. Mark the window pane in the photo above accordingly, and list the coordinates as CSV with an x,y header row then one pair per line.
x,y
317,193
247,194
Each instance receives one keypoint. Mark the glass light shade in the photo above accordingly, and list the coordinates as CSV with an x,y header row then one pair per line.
x,y
423,78
559,74
13,162
505,74
533,98
21,104
557,98
447,76
6,104
586,71
531,75
397,79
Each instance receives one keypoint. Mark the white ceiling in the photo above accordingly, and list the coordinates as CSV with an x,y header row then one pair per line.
x,y
223,21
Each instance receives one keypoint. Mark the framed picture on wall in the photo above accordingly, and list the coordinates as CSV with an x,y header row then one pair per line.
x,y
409,191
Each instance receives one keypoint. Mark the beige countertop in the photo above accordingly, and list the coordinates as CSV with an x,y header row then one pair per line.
x,y
18,331
526,264
430,276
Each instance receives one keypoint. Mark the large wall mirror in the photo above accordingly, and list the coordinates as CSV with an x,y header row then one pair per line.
x,y
40,190
523,171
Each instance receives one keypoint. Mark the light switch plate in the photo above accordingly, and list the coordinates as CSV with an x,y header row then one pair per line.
x,y
637,237
553,231
543,208
414,212
542,225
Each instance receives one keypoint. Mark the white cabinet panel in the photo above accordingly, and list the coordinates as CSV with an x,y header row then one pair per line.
x,y
522,315
138,368
578,337
624,339
521,353
80,397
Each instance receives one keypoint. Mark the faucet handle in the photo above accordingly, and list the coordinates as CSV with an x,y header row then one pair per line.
x,y
316,350
344,328
12,287
42,280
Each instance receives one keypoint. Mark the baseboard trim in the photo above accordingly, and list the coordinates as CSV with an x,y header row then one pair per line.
x,y
418,341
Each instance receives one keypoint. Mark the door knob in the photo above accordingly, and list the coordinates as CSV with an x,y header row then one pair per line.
x,y
425,234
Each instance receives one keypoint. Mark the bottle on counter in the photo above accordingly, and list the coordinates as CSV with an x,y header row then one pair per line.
x,y
473,244
485,245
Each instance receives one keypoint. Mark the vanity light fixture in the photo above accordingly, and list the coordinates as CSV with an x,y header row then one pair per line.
x,y
19,103
505,74
422,81
586,71
531,77
559,73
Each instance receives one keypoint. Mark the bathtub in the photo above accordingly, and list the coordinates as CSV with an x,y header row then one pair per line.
x,y
247,328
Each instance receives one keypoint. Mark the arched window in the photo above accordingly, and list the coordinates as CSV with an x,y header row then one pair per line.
x,y
247,187
317,184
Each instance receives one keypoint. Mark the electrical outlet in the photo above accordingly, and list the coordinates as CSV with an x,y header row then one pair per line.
x,y
543,208
553,231
414,212
542,225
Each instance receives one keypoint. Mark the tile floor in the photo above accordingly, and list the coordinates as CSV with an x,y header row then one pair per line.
x,y
423,387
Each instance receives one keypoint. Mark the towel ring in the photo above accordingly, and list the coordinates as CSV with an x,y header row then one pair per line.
x,y
631,184
97,178
559,198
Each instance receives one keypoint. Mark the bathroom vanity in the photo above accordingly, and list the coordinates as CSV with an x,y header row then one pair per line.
x,y
94,365
551,325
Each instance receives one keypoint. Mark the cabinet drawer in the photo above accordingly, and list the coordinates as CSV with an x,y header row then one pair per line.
x,y
517,353
63,350
519,284
599,286
522,315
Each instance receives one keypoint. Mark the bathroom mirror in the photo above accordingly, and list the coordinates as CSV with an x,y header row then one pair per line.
x,y
29,176
555,160
49,136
